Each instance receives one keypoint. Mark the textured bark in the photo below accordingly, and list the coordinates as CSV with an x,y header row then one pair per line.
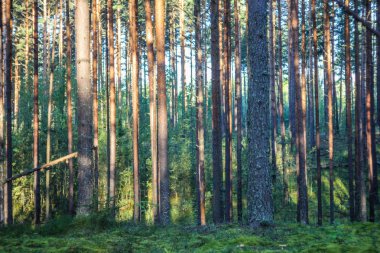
x,y
216,114
135,106
200,173
317,126
360,194
164,194
260,202
95,46
228,111
238,90
327,41
348,112
272,66
82,38
291,77
370,125
36,185
152,106
281,108
69,108
2,119
378,62
112,109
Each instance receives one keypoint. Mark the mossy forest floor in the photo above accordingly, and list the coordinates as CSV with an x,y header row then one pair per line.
x,y
99,235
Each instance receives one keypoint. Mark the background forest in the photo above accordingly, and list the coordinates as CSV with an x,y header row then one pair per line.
x,y
218,113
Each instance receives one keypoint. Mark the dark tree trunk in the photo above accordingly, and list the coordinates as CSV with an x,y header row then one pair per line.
x,y
216,114
272,66
260,202
82,38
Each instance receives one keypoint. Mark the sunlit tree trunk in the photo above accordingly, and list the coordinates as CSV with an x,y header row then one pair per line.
x,y
327,44
135,105
200,173
82,38
164,212
182,43
259,169
216,114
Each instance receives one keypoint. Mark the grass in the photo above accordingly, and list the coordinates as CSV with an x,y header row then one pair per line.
x,y
98,234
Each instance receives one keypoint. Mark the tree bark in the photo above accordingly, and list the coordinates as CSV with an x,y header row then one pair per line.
x,y
82,38
164,194
182,43
260,202
2,119
272,66
216,114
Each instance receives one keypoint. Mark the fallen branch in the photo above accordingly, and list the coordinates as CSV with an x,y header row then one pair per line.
x,y
43,167
356,16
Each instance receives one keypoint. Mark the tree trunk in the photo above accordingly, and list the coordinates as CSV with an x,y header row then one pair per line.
x,y
370,125
348,112
82,38
2,119
327,41
238,95
228,111
259,172
200,128
272,66
135,105
182,43
164,194
152,107
216,114
360,194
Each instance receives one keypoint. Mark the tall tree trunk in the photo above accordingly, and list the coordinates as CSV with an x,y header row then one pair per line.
x,y
272,66
327,41
200,173
182,43
348,111
360,195
95,46
118,59
112,109
69,108
82,38
370,125
238,95
291,77
135,105
152,106
281,108
216,114
302,206
259,172
228,111
378,62
164,194
2,119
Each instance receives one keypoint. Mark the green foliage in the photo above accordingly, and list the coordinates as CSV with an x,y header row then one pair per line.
x,y
99,234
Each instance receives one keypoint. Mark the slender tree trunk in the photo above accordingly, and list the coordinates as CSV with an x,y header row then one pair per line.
x,y
152,106
182,42
82,38
327,41
69,108
281,108
272,66
238,95
17,82
216,114
291,77
112,108
360,195
200,127
95,46
118,59
135,105
259,172
370,125
228,111
164,212
2,120
348,111
378,62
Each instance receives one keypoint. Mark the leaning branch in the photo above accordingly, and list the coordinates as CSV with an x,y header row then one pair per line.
x,y
43,167
356,16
